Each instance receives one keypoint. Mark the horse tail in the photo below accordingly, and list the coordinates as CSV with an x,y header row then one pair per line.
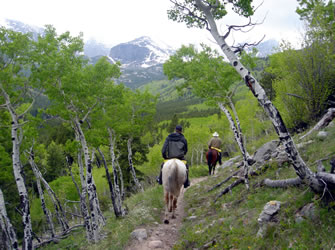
x,y
173,176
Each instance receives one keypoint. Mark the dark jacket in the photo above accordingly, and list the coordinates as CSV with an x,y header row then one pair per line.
x,y
175,146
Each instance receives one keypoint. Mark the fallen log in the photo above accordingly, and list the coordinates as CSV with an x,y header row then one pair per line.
x,y
326,119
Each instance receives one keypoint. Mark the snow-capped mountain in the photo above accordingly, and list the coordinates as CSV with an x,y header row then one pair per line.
x,y
267,48
93,48
141,52
21,27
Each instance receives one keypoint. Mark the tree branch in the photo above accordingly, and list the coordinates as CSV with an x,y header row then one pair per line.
x,y
89,111
297,96
240,48
230,187
225,180
191,13
326,119
30,106
329,178
282,183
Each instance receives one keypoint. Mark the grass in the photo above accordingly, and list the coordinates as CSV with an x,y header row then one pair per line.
x,y
144,209
231,222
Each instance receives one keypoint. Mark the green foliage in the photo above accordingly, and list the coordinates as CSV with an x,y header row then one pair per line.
x,y
303,82
205,73
234,216
188,12
55,165
144,208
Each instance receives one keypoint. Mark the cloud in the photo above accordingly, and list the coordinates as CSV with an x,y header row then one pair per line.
x,y
113,22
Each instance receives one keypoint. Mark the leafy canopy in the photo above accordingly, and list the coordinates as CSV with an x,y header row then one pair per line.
x,y
205,73
188,12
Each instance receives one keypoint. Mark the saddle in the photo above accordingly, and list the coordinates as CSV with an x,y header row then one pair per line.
x,y
184,161
217,149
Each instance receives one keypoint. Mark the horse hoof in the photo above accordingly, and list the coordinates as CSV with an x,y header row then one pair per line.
x,y
166,221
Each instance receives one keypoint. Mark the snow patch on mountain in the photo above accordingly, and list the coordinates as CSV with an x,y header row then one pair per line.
x,y
142,52
21,27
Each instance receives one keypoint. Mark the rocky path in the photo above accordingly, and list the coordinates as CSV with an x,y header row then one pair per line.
x,y
161,236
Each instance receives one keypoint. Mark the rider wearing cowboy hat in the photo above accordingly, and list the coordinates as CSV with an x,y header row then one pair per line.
x,y
215,143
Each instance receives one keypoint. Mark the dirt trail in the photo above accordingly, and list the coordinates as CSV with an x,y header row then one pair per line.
x,y
164,236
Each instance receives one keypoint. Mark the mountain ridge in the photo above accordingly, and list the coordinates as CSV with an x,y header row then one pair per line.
x,y
141,59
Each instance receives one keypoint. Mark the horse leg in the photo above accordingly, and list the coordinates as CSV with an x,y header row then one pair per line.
x,y
174,207
209,162
166,219
171,203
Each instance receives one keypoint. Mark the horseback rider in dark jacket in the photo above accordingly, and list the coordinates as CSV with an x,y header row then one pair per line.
x,y
175,146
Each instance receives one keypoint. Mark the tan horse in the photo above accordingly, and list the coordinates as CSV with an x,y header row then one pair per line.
x,y
173,176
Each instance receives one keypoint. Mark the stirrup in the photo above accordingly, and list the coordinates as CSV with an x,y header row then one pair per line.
x,y
159,180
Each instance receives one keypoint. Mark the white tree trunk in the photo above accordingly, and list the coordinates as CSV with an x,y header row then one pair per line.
x,y
299,165
239,140
132,170
82,195
60,215
118,210
6,225
326,119
41,194
27,242
96,216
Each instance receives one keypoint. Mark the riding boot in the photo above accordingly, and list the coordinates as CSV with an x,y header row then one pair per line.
x,y
187,181
159,178
220,158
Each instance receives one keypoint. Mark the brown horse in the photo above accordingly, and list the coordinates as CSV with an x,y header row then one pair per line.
x,y
212,157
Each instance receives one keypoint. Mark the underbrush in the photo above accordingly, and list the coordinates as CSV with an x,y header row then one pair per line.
x,y
231,221
143,209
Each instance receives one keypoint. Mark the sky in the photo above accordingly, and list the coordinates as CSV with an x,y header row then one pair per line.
x,y
116,21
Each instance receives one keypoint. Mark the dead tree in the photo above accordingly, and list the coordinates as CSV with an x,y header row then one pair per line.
x,y
41,193
326,119
60,215
82,195
96,216
239,140
131,166
6,226
204,14
17,135
117,193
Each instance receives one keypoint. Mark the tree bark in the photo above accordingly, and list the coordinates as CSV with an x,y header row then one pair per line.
x,y
41,194
27,242
82,195
230,187
299,165
6,225
239,140
132,170
282,183
96,216
326,119
117,192
225,180
58,206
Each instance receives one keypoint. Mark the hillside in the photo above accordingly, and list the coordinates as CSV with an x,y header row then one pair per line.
x,y
171,103
232,221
